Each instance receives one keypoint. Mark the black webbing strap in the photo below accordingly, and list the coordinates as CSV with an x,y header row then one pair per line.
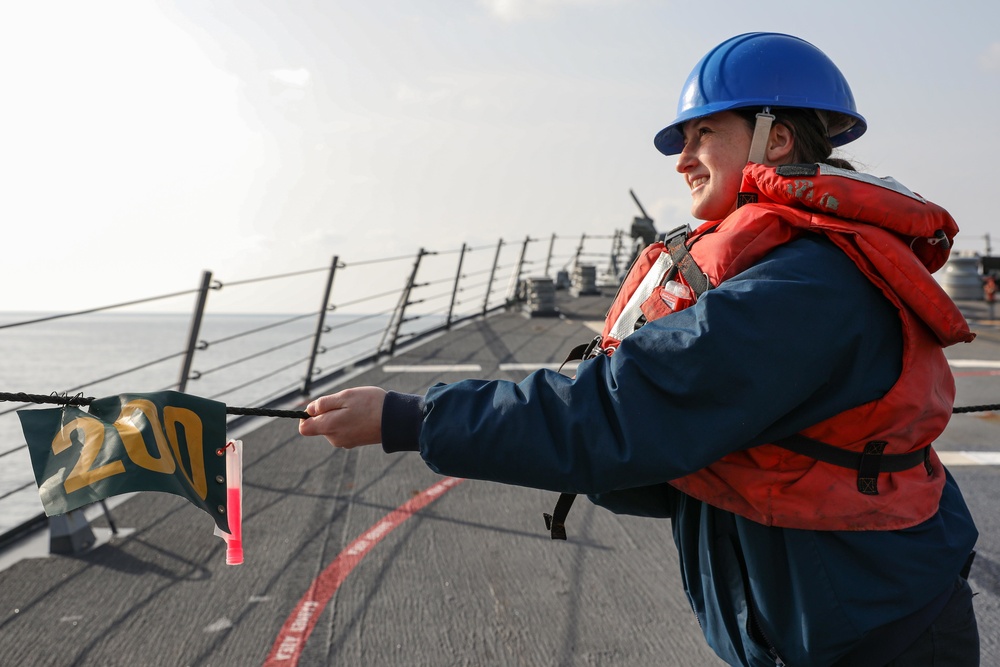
x,y
583,351
580,352
555,523
684,262
868,463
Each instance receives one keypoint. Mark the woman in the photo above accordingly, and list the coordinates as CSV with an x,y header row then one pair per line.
x,y
771,382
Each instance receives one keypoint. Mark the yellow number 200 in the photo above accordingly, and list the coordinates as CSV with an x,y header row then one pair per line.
x,y
92,435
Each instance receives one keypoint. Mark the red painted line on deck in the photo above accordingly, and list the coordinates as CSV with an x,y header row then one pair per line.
x,y
300,623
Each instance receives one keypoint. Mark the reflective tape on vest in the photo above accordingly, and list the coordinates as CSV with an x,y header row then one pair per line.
x,y
625,324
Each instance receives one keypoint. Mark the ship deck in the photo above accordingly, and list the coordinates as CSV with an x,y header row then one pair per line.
x,y
463,575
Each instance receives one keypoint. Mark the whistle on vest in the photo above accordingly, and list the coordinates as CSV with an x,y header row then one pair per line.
x,y
665,299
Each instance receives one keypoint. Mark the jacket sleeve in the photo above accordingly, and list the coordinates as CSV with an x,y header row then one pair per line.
x,y
795,339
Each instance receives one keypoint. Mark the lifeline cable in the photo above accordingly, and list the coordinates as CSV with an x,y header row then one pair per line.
x,y
84,400
302,414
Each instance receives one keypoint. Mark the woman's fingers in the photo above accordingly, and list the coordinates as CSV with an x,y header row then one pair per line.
x,y
349,418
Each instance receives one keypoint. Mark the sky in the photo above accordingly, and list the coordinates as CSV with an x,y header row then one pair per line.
x,y
145,141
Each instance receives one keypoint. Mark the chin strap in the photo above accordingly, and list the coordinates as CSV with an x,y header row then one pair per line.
x,y
758,148
761,131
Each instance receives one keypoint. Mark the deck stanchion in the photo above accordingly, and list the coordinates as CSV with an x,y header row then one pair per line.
x,y
515,277
404,301
548,258
199,313
489,283
579,249
616,251
320,323
454,290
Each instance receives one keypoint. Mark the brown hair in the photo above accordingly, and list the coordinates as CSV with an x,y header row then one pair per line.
x,y
811,141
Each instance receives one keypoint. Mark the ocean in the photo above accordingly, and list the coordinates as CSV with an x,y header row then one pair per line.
x,y
249,360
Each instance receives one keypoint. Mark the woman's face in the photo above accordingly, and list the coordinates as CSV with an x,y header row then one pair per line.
x,y
715,151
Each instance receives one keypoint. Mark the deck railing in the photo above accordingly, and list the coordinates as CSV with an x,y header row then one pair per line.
x,y
281,361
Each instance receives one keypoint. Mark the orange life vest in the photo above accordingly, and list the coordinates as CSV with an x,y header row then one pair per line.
x,y
896,239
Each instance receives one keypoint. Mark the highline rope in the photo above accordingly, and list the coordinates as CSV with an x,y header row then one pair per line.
x,y
84,400
301,414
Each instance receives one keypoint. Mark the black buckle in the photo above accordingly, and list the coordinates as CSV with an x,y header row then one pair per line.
x,y
588,352
680,230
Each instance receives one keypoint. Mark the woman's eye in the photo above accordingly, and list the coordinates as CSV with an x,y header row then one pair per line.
x,y
695,134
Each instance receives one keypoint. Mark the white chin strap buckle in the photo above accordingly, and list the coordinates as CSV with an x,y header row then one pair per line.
x,y
761,131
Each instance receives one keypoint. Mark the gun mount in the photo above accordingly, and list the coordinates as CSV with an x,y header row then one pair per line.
x,y
642,227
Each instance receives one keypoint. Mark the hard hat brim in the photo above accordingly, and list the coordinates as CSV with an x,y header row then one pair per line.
x,y
670,140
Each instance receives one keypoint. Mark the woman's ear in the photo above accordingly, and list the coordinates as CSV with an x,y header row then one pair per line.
x,y
780,145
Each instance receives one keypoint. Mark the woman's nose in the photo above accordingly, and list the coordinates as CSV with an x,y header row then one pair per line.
x,y
685,160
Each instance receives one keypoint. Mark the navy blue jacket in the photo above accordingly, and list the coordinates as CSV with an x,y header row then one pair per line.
x,y
796,339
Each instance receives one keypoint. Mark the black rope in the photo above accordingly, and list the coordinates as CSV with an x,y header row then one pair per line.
x,y
977,408
84,400
297,414
264,412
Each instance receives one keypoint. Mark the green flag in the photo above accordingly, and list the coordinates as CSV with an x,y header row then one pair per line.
x,y
163,441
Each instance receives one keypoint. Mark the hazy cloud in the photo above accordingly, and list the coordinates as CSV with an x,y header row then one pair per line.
x,y
299,78
989,59
520,10
409,94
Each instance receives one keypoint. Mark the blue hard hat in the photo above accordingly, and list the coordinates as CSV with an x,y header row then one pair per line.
x,y
765,69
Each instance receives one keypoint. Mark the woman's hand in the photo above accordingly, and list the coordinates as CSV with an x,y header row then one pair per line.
x,y
347,419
